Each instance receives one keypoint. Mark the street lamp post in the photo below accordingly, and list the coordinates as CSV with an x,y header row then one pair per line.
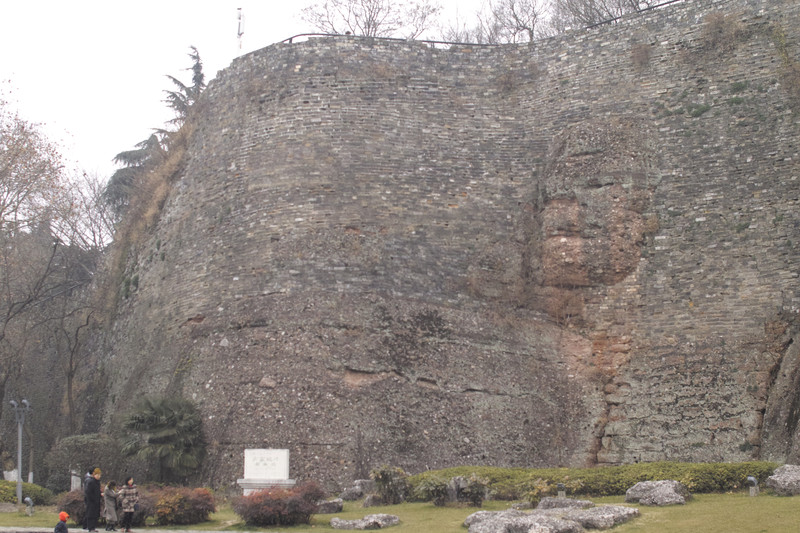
x,y
19,414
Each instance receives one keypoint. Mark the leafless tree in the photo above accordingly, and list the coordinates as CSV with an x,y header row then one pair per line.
x,y
27,264
30,172
502,21
51,238
372,18
71,320
569,14
85,219
518,21
29,184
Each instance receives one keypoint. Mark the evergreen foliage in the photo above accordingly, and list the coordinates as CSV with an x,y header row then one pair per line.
x,y
168,433
182,99
392,484
153,151
432,489
79,453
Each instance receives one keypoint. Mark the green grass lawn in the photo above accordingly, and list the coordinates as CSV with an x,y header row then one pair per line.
x,y
706,513
717,513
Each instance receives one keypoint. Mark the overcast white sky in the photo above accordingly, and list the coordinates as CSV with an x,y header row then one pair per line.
x,y
93,73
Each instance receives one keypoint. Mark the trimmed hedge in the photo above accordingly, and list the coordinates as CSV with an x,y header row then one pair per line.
x,y
39,495
527,483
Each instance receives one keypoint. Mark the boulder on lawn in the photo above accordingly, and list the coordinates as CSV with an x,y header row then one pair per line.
x,y
658,493
549,502
785,481
358,490
330,506
518,521
371,521
602,516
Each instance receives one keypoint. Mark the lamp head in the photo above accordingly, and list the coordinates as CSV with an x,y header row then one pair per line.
x,y
14,404
26,403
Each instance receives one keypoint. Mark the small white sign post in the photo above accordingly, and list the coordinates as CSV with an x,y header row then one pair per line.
x,y
74,480
265,469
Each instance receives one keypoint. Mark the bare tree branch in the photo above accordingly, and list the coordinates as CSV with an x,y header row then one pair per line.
x,y
372,18
569,14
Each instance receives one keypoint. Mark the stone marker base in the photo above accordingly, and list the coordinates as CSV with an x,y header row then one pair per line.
x,y
250,486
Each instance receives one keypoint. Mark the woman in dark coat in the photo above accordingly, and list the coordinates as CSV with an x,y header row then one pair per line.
x,y
93,495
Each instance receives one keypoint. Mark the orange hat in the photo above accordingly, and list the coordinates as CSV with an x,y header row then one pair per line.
x,y
63,516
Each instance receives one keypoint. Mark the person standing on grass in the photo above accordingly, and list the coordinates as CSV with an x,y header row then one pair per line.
x,y
61,527
110,500
93,496
129,496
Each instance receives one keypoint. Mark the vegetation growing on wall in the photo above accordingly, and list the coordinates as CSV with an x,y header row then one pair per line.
x,y
137,191
790,67
722,32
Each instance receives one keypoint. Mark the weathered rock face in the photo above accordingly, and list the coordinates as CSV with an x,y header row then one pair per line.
x,y
575,252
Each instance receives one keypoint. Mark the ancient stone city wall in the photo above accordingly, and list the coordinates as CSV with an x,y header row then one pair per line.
x,y
578,251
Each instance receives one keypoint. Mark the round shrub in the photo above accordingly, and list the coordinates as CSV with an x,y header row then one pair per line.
x,y
279,507
181,506
475,490
392,484
432,489
80,452
537,490
72,502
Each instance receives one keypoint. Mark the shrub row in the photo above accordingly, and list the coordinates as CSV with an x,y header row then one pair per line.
x,y
525,483
169,506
